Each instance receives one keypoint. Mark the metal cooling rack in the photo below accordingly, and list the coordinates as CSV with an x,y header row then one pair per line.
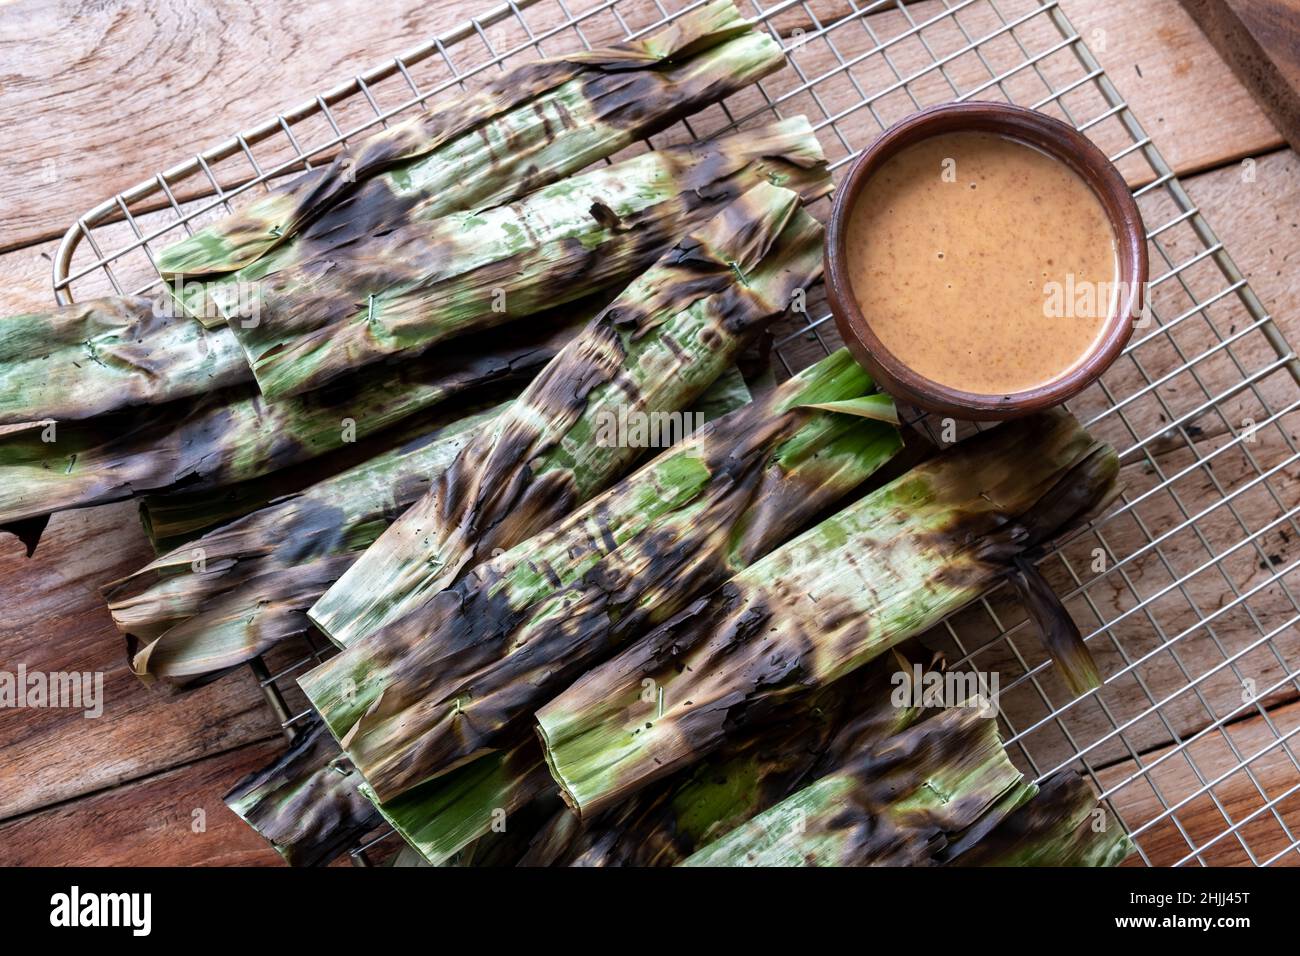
x,y
1182,591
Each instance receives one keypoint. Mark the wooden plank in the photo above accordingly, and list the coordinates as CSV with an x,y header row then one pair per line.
x,y
1265,810
97,101
174,818
1260,39
55,621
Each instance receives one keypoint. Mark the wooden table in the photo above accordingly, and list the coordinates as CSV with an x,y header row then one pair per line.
x,y
96,95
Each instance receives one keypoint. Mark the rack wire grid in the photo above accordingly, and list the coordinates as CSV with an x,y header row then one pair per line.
x,y
1181,589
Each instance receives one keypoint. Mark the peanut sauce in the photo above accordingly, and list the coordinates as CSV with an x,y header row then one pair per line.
x,y
982,263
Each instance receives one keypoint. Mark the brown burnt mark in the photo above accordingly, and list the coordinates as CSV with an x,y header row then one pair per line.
x,y
567,119
27,530
606,217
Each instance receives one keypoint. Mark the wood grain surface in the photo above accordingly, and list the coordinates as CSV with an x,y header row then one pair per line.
x,y
94,96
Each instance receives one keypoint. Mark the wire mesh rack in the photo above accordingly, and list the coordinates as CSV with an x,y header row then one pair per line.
x,y
1182,590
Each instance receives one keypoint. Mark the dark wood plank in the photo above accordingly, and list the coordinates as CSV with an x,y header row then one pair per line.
x,y
1260,39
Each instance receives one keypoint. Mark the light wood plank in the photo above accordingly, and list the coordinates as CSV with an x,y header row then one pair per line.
x,y
1178,86
98,97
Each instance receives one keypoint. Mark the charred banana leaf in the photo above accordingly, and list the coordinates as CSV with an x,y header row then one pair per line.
x,y
883,569
306,804
442,815
424,282
662,826
535,124
178,517
656,347
457,677
904,802
446,815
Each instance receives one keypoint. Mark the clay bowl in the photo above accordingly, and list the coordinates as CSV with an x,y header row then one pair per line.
x,y
1058,140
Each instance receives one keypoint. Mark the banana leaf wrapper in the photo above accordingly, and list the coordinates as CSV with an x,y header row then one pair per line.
x,y
904,802
92,358
453,680
235,436
471,803
651,351
306,803
1061,826
534,124
424,282
887,567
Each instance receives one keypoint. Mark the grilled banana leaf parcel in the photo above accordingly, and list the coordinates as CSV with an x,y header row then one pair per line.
x,y
881,570
423,282
306,803
234,435
656,347
909,801
92,358
462,676
663,825
528,127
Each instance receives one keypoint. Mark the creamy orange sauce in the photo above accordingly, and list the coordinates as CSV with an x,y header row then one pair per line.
x,y
982,263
